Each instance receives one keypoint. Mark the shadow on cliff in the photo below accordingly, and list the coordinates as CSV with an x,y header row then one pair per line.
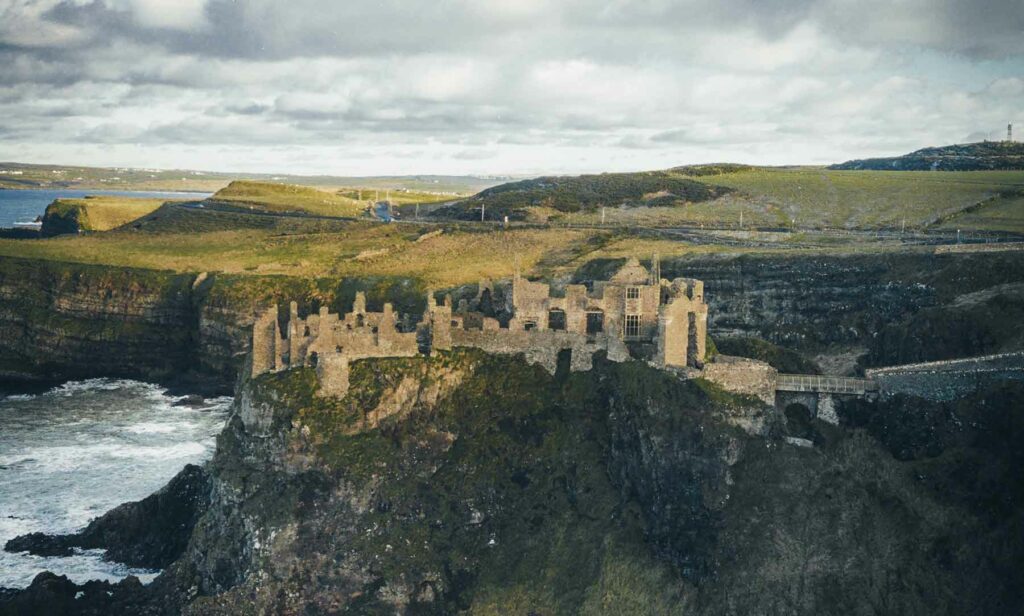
x,y
475,483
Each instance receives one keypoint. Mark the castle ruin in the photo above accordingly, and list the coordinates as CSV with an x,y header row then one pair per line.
x,y
634,314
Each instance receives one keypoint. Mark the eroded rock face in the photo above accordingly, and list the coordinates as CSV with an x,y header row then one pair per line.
x,y
492,486
59,321
453,482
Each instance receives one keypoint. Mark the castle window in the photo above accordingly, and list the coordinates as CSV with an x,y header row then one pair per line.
x,y
595,322
530,326
556,320
632,326
632,292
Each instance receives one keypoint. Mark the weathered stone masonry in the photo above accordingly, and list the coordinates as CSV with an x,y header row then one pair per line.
x,y
633,307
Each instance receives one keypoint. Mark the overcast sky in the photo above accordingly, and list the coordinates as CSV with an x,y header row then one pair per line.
x,y
352,87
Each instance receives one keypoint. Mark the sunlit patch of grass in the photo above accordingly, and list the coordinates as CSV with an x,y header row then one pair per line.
x,y
819,197
813,197
288,198
452,258
1001,213
95,213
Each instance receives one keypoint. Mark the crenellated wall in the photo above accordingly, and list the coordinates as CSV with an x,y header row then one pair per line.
x,y
633,306
328,342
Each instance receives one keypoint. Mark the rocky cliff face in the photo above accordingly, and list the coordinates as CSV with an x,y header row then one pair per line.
x,y
61,321
479,484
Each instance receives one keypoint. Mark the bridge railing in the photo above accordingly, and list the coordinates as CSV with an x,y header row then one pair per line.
x,y
825,384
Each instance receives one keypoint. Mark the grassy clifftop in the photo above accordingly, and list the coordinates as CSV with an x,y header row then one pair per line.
x,y
94,213
724,195
273,197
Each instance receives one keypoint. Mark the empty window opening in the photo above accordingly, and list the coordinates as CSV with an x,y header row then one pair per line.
x,y
556,320
313,359
632,326
530,326
595,322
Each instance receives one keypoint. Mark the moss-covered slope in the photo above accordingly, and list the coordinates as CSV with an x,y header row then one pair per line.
x,y
468,483
465,482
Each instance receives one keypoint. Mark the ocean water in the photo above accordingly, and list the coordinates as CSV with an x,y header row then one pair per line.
x,y
26,205
73,453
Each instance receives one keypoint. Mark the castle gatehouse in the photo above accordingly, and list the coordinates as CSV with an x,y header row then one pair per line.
x,y
634,314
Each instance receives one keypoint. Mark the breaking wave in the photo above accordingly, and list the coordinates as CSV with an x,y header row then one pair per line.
x,y
78,450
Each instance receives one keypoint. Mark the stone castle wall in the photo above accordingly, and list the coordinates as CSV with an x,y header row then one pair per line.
x,y
631,307
743,376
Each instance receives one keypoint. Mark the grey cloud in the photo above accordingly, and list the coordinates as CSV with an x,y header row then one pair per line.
x,y
643,77
268,29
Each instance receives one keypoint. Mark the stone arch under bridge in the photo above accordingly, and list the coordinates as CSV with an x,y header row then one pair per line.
x,y
820,405
819,393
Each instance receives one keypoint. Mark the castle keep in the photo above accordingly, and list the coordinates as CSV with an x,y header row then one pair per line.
x,y
636,313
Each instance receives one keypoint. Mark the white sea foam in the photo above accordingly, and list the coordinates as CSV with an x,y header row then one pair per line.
x,y
151,427
19,397
102,384
77,451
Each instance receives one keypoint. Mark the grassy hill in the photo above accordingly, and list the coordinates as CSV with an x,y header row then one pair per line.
x,y
584,193
196,240
720,195
818,197
983,155
271,197
93,213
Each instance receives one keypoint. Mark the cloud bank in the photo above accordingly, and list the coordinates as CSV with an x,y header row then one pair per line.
x,y
511,86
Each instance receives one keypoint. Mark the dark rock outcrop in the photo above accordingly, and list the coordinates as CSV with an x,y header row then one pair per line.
x,y
150,533
983,155
56,595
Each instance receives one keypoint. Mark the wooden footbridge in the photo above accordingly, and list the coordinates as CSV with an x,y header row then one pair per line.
x,y
819,384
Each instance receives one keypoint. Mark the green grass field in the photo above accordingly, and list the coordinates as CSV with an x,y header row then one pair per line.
x,y
817,197
813,197
337,249
272,197
94,213
1001,213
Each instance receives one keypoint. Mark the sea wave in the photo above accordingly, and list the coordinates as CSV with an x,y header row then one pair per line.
x,y
106,384
78,450
19,397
